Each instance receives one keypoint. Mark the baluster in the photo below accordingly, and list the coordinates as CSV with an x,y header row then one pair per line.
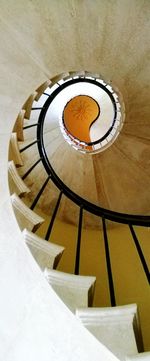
x,y
140,252
28,146
37,108
31,168
40,192
30,126
77,261
53,217
47,94
108,262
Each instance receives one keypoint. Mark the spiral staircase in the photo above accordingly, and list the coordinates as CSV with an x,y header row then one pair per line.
x,y
36,146
88,209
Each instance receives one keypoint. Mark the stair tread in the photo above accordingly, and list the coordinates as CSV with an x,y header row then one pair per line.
x,y
16,184
25,216
47,254
73,290
107,324
143,356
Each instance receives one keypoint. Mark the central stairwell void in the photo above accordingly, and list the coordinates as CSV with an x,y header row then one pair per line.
x,y
69,122
88,111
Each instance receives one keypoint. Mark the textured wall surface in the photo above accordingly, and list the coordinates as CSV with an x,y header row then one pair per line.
x,y
107,37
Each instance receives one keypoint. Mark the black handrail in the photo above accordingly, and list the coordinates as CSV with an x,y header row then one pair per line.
x,y
92,81
123,218
83,204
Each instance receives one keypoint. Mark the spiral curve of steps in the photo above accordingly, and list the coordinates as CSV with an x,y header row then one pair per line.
x,y
36,43
110,179
27,152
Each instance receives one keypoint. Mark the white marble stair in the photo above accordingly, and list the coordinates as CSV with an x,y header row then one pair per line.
x,y
75,291
28,104
74,73
143,356
46,254
34,115
16,184
90,74
14,152
56,78
31,133
18,127
25,216
40,102
30,125
116,327
40,90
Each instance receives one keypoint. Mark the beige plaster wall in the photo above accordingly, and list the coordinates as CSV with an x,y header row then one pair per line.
x,y
103,36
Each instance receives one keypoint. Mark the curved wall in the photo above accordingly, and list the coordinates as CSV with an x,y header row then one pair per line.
x,y
37,40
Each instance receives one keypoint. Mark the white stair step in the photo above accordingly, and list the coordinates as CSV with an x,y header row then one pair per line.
x,y
49,90
56,78
18,127
116,327
16,184
75,291
28,105
90,74
39,103
30,133
14,152
25,216
144,356
52,142
40,90
34,114
46,254
76,73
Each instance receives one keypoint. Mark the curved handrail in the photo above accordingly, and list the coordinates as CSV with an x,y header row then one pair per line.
x,y
124,218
